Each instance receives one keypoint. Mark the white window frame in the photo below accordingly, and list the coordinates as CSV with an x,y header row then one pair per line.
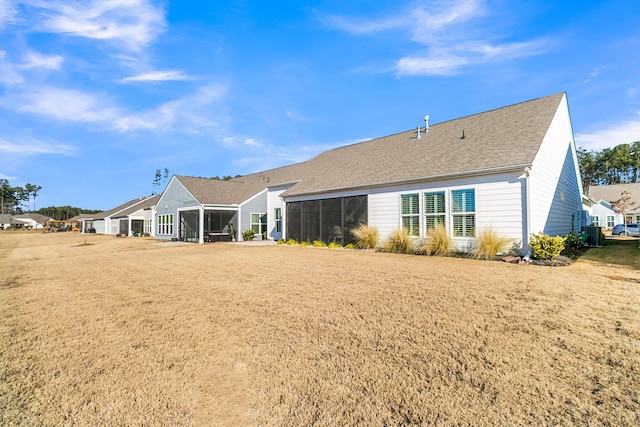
x,y
411,217
165,224
611,221
463,213
261,225
277,219
595,220
440,216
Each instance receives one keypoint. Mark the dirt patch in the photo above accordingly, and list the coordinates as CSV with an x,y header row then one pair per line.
x,y
125,332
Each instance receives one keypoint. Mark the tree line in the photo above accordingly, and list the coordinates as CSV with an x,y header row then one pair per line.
x,y
17,200
617,165
13,200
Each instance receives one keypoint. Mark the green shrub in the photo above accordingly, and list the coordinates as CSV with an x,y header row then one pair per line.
x,y
366,237
306,244
292,242
334,245
350,246
281,242
398,242
438,241
573,245
248,234
319,244
489,243
544,246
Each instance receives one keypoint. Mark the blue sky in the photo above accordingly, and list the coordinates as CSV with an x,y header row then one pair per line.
x,y
95,96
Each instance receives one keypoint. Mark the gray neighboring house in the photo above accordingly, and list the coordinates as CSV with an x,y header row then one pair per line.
x,y
137,218
606,194
117,220
513,169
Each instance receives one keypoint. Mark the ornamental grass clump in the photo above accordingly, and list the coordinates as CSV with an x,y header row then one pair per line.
x,y
489,243
438,241
319,244
546,247
398,242
366,236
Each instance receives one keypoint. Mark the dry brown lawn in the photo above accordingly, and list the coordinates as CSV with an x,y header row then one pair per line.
x,y
126,332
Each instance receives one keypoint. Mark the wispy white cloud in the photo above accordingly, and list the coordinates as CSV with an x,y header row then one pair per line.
x,y
61,104
157,76
37,60
8,73
446,40
32,147
8,12
615,134
189,114
131,23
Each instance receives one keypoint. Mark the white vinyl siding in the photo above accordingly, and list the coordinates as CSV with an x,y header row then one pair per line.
x,y
499,202
555,182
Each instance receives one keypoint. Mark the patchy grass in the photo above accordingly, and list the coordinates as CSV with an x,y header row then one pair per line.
x,y
615,251
124,332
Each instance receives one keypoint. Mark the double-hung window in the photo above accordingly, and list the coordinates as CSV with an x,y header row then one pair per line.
x,y
595,220
410,213
277,216
434,210
463,212
611,221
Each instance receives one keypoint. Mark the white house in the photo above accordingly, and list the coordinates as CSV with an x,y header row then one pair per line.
x,y
123,218
30,219
513,169
608,194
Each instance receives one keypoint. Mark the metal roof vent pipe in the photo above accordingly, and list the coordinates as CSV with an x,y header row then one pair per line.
x,y
426,123
418,133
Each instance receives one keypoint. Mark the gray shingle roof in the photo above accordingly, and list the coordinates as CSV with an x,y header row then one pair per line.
x,y
503,138
610,193
117,209
146,203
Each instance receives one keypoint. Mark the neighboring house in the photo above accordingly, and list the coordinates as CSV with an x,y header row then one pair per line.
x,y
604,215
612,193
513,169
30,219
5,221
116,221
136,219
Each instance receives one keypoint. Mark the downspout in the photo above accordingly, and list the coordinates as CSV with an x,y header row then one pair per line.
x,y
527,231
201,225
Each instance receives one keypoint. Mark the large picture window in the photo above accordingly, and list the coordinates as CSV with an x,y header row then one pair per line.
x,y
463,211
410,213
434,210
